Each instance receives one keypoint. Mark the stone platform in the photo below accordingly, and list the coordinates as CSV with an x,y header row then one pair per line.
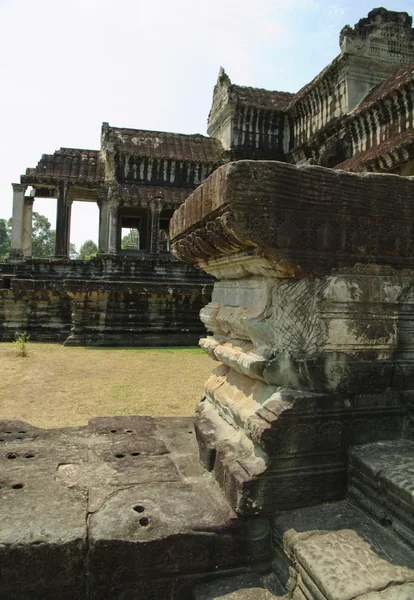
x,y
123,509
106,301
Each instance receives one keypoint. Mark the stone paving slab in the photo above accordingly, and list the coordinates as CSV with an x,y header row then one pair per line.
x,y
242,587
396,592
341,554
121,508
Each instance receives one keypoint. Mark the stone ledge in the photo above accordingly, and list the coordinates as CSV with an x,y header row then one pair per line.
x,y
296,220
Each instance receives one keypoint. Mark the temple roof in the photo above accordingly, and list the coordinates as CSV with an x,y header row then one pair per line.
x,y
396,144
396,81
162,144
260,98
72,165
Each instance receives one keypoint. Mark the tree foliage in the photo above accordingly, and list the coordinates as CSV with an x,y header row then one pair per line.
x,y
4,239
43,238
88,250
130,240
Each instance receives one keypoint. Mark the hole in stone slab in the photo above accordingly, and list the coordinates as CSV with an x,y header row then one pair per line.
x,y
135,453
22,431
114,430
18,486
190,432
18,438
129,431
144,521
386,522
7,432
119,455
1,440
29,456
11,456
138,508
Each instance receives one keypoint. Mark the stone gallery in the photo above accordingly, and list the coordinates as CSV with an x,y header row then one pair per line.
x,y
356,115
295,480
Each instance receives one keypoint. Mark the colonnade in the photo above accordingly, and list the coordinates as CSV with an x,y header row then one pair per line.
x,y
109,223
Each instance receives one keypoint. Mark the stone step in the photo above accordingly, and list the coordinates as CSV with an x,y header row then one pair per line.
x,y
250,586
381,481
337,552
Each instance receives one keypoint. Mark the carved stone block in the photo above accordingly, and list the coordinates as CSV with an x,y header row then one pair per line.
x,y
311,322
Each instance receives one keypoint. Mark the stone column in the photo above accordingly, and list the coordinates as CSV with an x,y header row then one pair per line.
x,y
103,225
155,209
27,226
69,204
113,226
16,250
62,222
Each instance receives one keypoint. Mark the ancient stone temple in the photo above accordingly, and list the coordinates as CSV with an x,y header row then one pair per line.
x,y
356,115
138,295
305,431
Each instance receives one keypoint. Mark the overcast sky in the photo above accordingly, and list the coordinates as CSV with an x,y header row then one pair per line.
x,y
68,65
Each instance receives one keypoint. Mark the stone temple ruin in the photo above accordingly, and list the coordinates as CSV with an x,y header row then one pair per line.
x,y
356,115
305,430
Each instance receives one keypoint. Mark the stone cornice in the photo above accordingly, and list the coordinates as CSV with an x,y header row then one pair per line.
x,y
297,220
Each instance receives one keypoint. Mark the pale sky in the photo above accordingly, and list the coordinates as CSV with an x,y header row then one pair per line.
x,y
68,65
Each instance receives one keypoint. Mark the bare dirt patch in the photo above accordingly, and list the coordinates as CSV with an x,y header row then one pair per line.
x,y
56,386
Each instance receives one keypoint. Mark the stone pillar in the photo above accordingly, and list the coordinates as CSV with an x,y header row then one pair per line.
x,y
113,226
62,222
16,250
69,203
27,226
155,209
311,317
103,225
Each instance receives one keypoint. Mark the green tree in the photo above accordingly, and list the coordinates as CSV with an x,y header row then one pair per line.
x,y
4,239
43,237
88,250
130,240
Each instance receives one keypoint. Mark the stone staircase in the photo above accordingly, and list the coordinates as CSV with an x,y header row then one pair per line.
x,y
361,548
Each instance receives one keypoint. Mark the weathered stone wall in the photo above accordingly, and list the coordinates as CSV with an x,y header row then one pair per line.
x,y
117,301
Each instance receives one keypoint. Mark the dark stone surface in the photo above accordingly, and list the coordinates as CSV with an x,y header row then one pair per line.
x,y
303,444
118,509
382,482
309,219
109,301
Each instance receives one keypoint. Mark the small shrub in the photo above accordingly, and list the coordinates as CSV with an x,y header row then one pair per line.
x,y
21,344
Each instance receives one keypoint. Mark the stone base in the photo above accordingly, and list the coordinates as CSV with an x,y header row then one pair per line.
x,y
275,448
122,509
16,256
83,302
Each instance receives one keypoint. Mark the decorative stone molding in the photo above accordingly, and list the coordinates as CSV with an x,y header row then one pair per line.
x,y
310,320
384,35
295,220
